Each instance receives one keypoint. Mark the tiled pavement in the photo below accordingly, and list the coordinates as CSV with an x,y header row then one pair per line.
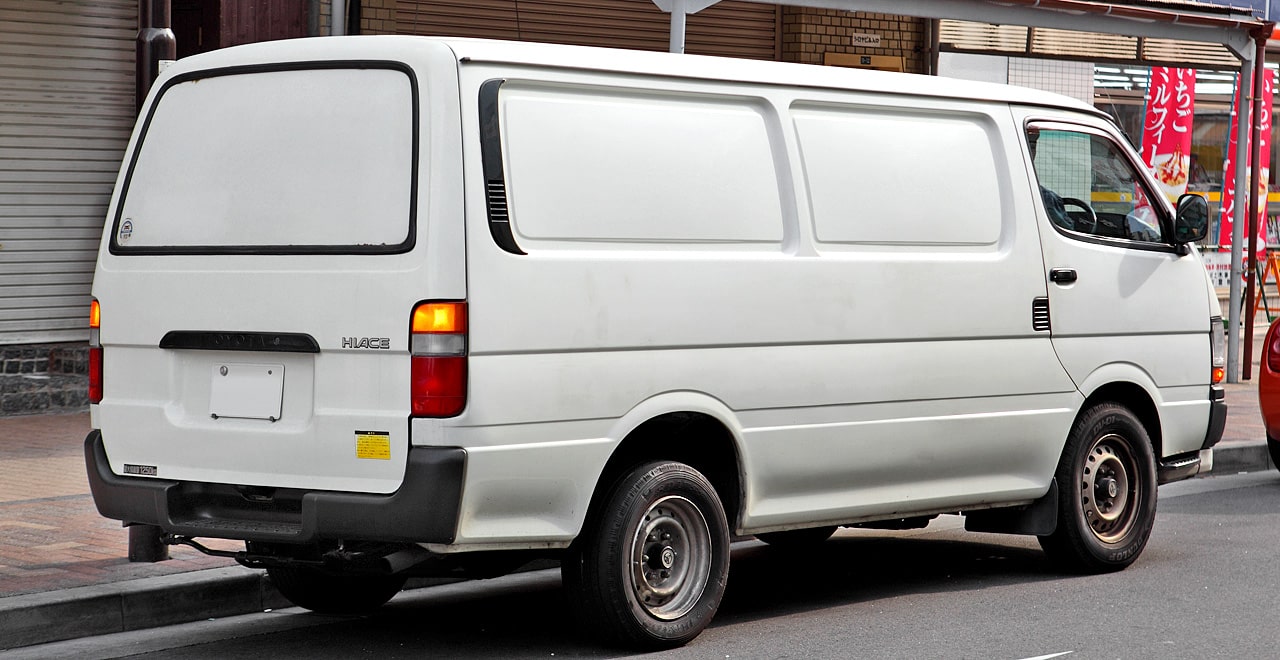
x,y
51,536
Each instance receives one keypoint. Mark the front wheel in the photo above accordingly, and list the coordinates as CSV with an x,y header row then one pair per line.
x,y
650,567
1107,493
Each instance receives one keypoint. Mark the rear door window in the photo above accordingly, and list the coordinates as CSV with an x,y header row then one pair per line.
x,y
302,160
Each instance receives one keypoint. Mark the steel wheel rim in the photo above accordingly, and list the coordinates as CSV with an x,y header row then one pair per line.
x,y
1110,491
670,558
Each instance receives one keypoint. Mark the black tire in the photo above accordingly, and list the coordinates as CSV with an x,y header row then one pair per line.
x,y
1273,446
650,566
1107,493
334,593
797,539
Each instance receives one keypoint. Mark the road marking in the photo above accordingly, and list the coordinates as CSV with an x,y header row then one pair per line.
x,y
1051,655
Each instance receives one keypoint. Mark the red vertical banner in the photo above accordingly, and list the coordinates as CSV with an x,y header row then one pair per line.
x,y
1264,143
1166,127
1225,223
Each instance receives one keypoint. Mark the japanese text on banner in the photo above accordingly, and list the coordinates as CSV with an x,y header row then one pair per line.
x,y
1229,198
1166,127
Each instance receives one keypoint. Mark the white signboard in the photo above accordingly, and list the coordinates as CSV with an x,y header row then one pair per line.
x,y
866,40
1219,266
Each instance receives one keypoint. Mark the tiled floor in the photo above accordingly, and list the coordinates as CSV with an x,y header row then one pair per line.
x,y
51,536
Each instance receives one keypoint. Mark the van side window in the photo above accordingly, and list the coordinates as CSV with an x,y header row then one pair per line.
x,y
602,165
860,197
1088,186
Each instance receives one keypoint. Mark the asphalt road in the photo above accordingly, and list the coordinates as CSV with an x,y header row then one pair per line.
x,y
1206,586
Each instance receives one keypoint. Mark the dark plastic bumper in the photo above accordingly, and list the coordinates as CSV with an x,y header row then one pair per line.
x,y
424,509
1217,416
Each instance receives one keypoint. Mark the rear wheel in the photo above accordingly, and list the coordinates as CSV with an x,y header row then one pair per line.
x,y
334,593
650,567
1107,485
1273,446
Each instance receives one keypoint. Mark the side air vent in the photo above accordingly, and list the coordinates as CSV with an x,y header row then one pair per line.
x,y
1040,314
495,187
496,196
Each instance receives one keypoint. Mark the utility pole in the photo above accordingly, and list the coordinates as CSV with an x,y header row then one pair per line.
x,y
155,47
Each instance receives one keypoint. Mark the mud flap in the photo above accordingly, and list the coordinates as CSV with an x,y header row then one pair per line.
x,y
1040,518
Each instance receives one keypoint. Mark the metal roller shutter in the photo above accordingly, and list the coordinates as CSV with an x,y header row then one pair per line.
x,y
734,29
66,110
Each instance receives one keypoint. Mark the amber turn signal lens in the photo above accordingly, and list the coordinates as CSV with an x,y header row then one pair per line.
x,y
438,317
95,315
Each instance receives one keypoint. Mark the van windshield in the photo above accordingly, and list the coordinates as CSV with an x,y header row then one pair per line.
x,y
303,160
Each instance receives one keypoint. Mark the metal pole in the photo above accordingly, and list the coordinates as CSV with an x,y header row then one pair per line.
x,y
1255,171
678,19
154,44
1237,228
680,10
338,18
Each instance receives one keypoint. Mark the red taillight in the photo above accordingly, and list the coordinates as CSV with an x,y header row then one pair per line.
x,y
95,374
1273,352
438,372
95,352
439,386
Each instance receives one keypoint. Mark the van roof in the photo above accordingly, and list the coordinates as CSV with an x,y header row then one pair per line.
x,y
746,70
637,62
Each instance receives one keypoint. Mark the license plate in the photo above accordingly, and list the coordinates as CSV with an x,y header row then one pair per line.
x,y
247,391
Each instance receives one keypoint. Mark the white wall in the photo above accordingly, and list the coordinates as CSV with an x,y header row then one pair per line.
x,y
1074,79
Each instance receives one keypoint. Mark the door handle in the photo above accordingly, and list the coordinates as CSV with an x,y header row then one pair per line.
x,y
1062,275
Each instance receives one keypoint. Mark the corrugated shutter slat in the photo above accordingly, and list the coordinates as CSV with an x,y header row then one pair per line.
x,y
734,29
66,110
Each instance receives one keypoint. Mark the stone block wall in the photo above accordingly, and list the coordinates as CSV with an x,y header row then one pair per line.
x,y
43,378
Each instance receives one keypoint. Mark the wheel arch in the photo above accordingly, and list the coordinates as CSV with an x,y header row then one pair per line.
x,y
687,427
1135,397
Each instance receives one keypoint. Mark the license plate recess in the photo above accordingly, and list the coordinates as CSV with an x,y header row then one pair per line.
x,y
247,391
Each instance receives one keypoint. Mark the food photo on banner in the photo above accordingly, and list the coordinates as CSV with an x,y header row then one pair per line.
x,y
1166,127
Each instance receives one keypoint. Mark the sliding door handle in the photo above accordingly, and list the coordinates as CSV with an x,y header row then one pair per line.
x,y
1062,275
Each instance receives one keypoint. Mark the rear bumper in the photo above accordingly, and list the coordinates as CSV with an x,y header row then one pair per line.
x,y
424,509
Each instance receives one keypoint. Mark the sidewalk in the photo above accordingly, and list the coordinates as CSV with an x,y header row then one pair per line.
x,y
64,571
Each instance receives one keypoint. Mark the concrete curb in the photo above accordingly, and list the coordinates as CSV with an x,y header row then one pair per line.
x,y
1241,457
57,616
54,616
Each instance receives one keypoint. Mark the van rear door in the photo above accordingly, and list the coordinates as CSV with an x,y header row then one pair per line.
x,y
257,278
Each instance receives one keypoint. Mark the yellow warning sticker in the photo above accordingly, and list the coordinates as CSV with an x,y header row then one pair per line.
x,y
373,444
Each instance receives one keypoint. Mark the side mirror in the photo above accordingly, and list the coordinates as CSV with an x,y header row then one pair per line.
x,y
1192,221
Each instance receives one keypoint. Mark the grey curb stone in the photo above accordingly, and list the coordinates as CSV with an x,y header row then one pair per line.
x,y
1241,457
109,608
56,616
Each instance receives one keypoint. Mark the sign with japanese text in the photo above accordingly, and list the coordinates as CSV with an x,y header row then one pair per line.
x,y
1166,127
1229,198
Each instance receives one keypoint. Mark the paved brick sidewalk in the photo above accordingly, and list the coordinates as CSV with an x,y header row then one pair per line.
x,y
51,536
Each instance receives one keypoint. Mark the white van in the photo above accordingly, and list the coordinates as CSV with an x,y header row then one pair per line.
x,y
396,306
